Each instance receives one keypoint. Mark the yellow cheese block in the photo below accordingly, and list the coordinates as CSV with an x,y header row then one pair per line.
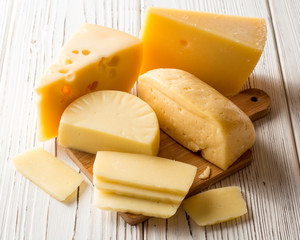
x,y
143,171
95,58
136,192
215,206
112,121
110,201
196,115
221,50
48,172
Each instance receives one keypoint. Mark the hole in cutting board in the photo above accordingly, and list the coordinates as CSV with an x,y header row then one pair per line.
x,y
254,99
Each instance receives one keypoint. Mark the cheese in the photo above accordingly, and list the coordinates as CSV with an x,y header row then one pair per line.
x,y
143,171
95,58
215,206
110,120
205,174
135,192
110,201
140,184
197,116
221,50
48,172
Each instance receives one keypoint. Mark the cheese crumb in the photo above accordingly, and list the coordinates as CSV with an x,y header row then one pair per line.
x,y
205,174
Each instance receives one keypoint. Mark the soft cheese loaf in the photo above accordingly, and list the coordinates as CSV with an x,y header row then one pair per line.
x,y
196,115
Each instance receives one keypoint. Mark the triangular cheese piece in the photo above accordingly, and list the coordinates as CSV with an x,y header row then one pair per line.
x,y
221,50
95,58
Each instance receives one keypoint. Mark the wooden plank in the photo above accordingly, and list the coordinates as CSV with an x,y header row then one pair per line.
x,y
254,102
285,18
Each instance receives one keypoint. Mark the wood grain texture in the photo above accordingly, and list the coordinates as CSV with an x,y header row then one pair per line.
x,y
285,18
254,102
31,34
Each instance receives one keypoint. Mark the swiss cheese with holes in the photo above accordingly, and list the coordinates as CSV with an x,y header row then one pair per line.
x,y
95,58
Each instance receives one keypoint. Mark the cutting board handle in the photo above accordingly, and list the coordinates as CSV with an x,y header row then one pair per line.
x,y
254,102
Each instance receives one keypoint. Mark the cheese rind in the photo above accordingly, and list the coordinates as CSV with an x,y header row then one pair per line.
x,y
135,192
143,171
110,201
111,121
48,172
95,58
215,206
221,50
196,115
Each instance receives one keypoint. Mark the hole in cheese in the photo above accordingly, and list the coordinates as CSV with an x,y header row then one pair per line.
x,y
68,61
64,70
75,51
92,86
86,52
184,43
114,61
70,77
66,89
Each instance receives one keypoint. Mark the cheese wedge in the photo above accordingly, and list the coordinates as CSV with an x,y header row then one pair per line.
x,y
197,116
110,201
95,58
143,171
221,50
136,192
111,121
215,206
48,172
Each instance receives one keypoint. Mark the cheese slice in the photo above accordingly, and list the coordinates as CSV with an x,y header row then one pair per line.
x,y
110,201
215,206
221,50
136,192
48,172
197,116
95,58
111,121
143,171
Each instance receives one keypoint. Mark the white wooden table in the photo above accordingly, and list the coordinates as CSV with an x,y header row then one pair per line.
x,y
31,34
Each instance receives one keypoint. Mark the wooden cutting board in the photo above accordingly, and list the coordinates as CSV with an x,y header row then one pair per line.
x,y
254,102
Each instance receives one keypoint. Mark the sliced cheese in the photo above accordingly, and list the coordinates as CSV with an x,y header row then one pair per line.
x,y
95,58
136,192
48,172
111,121
142,171
110,201
221,50
196,115
215,206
